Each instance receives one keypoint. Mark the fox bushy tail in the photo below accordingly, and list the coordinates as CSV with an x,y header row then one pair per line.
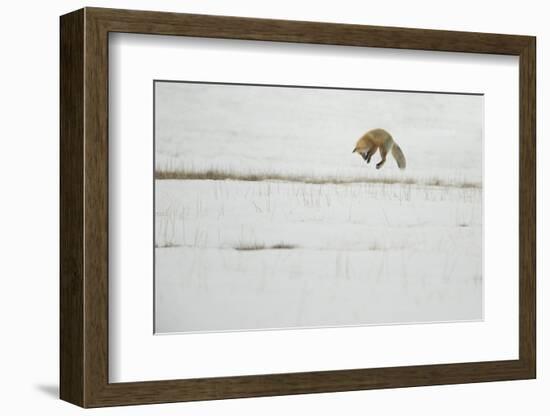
x,y
397,153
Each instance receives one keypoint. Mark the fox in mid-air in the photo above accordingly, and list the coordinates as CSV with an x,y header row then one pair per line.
x,y
379,139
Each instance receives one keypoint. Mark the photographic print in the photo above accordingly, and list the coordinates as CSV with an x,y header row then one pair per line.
x,y
284,207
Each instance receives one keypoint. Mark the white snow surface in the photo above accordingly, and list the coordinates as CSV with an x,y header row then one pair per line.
x,y
250,255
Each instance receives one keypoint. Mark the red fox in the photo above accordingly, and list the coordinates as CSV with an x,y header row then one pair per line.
x,y
379,139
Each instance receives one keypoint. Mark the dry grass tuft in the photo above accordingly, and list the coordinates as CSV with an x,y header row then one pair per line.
x,y
256,246
167,245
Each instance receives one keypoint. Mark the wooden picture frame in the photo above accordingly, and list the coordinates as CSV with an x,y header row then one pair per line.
x,y
84,207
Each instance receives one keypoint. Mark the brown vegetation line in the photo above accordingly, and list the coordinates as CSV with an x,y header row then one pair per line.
x,y
213,174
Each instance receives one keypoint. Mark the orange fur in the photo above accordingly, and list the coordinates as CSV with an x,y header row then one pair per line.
x,y
379,140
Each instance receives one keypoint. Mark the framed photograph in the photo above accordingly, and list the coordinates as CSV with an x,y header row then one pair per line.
x,y
254,207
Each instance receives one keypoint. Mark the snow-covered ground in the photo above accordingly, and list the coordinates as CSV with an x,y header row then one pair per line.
x,y
237,255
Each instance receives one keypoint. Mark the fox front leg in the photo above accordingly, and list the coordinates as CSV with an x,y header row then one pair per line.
x,y
369,155
383,153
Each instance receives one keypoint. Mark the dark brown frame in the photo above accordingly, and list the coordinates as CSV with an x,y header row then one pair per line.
x,y
84,207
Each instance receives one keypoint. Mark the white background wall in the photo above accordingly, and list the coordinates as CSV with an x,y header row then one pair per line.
x,y
29,209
